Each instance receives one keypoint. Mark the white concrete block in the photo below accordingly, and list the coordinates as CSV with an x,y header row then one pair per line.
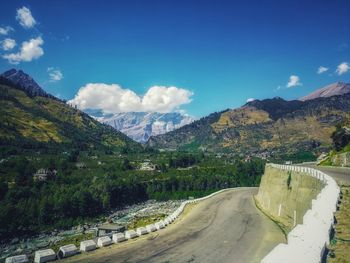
x,y
87,245
159,225
104,241
141,231
67,251
129,234
151,228
44,255
118,237
17,259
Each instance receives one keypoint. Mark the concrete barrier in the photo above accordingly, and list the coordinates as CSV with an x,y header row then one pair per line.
x,y
130,234
17,259
159,225
87,245
67,251
118,237
45,255
104,241
307,242
151,228
141,231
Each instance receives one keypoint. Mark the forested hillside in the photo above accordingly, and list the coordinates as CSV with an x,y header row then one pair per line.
x,y
80,194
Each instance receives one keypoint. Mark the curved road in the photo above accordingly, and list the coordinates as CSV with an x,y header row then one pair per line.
x,y
340,174
225,228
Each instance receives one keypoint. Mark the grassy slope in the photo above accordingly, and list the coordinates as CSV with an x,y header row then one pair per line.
x,y
41,120
340,155
340,245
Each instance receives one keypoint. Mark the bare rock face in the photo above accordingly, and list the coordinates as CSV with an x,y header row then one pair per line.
x,y
25,82
139,126
338,88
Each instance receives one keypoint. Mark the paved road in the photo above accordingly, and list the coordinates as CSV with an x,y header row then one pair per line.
x,y
225,228
339,173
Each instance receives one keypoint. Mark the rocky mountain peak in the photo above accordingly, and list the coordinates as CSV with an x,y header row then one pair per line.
x,y
24,81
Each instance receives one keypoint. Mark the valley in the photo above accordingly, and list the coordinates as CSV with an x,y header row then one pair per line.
x,y
61,168
175,131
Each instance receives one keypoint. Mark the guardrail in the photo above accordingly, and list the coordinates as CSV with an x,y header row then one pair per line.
x,y
307,242
89,245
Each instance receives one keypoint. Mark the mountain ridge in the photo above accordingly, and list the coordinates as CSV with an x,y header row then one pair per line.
x,y
25,82
334,89
270,125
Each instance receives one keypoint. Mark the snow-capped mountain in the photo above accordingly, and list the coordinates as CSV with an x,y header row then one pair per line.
x,y
141,125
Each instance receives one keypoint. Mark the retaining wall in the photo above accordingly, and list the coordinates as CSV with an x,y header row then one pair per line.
x,y
307,241
286,195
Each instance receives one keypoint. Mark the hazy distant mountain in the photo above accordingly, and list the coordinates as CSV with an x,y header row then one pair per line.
x,y
338,88
141,125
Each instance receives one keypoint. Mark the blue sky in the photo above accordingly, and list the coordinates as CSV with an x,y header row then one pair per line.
x,y
216,53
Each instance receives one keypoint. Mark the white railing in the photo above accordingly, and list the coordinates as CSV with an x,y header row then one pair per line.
x,y
307,242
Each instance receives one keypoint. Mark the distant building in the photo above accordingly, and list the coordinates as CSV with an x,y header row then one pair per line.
x,y
147,166
43,174
80,165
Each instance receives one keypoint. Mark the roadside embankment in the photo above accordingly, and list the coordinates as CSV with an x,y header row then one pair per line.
x,y
285,196
307,241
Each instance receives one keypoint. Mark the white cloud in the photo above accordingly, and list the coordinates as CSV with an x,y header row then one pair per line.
x,y
25,18
293,81
322,69
8,44
250,99
342,68
55,74
29,50
113,98
5,30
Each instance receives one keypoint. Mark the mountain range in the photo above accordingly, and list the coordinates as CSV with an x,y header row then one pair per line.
x,y
30,117
140,126
266,126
